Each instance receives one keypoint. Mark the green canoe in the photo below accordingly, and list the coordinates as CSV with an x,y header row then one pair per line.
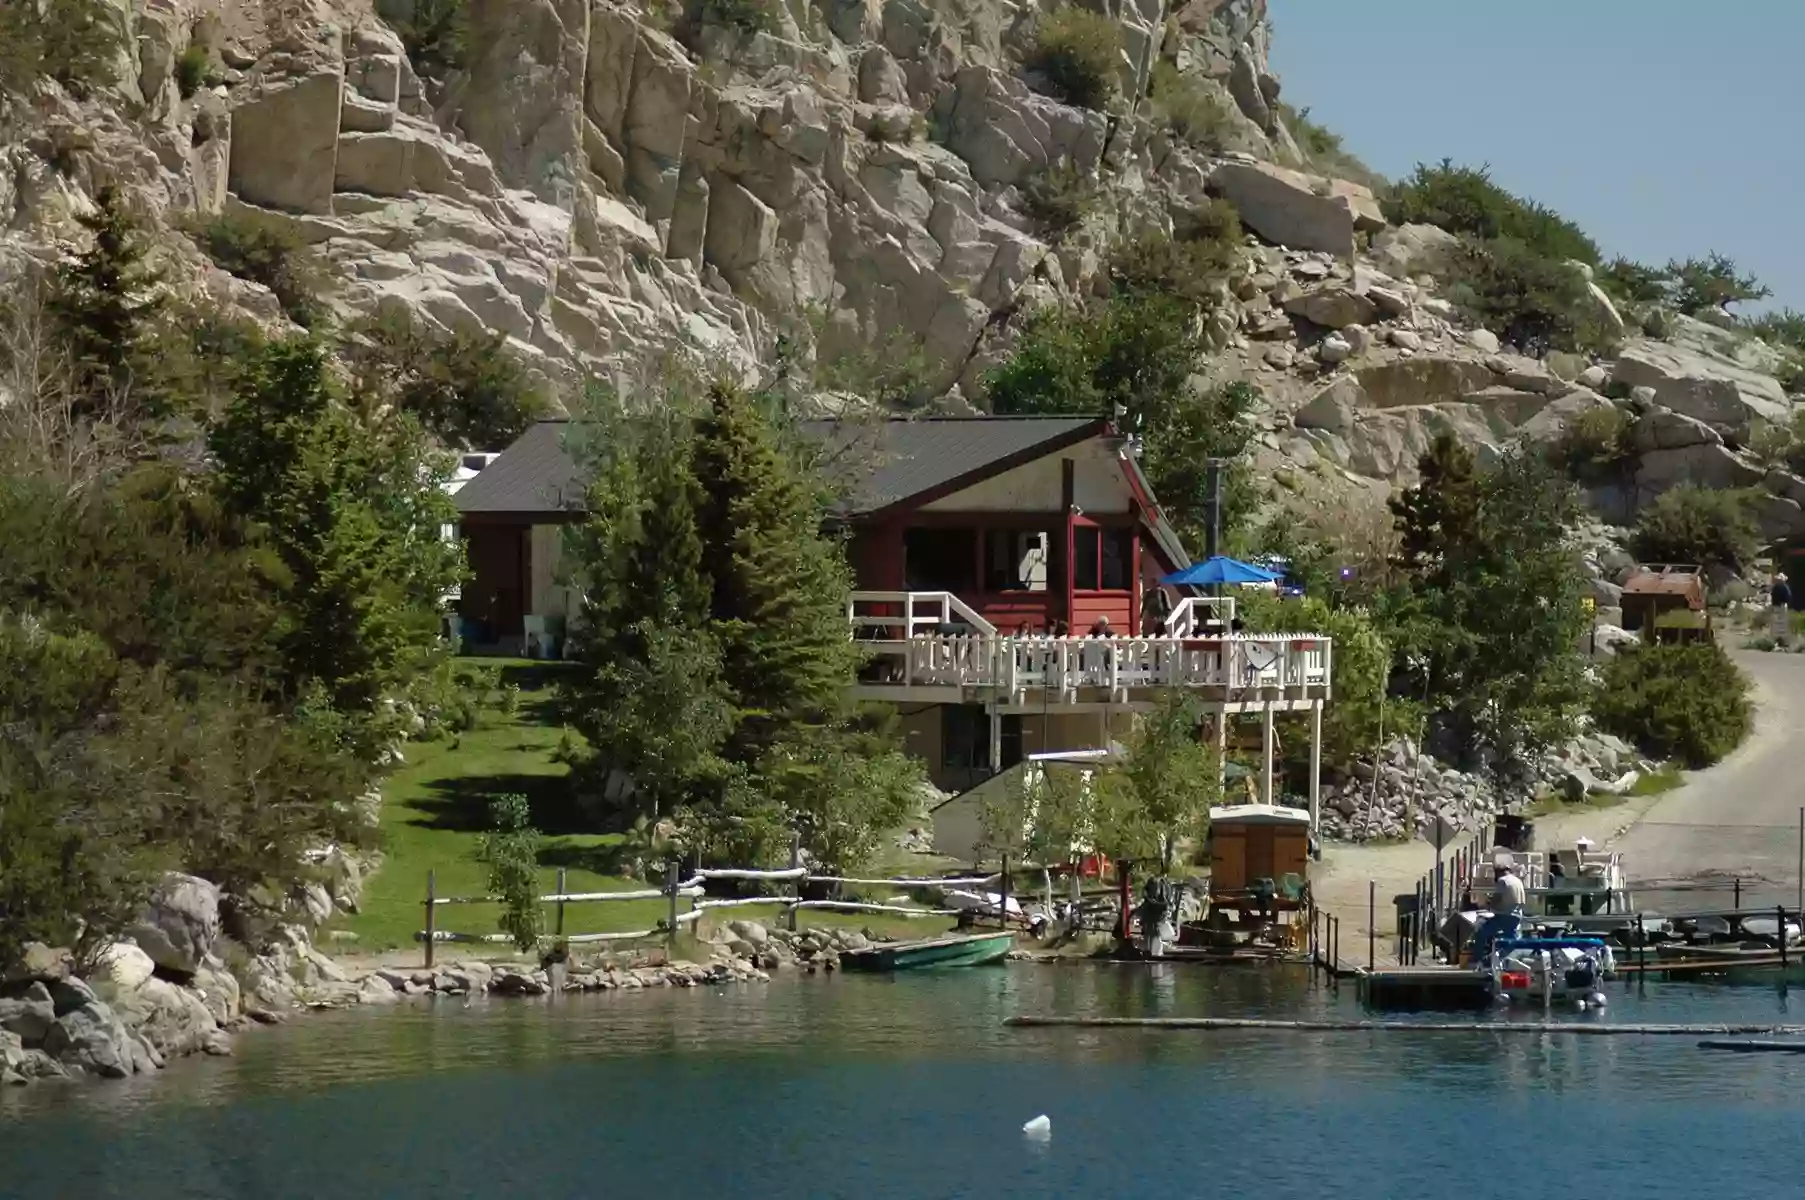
x,y
956,950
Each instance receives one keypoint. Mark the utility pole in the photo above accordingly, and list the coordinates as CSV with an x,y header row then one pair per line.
x,y
1213,538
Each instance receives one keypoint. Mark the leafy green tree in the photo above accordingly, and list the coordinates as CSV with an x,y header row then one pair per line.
x,y
1489,615
1687,701
351,503
1138,352
1359,715
1171,777
510,851
1700,285
1634,282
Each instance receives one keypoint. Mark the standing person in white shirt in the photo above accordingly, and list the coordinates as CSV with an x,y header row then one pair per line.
x,y
1508,901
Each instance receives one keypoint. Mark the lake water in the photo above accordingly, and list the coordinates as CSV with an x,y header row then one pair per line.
x,y
874,1088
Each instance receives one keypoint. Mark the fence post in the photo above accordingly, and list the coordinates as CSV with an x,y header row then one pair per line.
x,y
672,869
1736,896
560,917
1003,893
1372,922
432,892
1782,911
789,915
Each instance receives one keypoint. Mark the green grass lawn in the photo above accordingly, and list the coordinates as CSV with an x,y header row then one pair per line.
x,y
435,809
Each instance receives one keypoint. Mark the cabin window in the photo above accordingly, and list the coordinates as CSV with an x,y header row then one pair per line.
x,y
1102,559
1118,559
1015,560
1085,542
940,560
964,737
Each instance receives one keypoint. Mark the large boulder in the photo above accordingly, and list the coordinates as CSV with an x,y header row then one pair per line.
x,y
125,965
1288,208
93,1040
1723,394
1407,250
1423,379
285,143
1708,465
29,1014
180,924
172,1019
1333,306
1664,429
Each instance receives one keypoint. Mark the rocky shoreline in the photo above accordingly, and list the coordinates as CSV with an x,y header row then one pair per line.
x,y
168,992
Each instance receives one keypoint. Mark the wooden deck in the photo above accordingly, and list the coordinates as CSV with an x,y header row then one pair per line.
x,y
1424,986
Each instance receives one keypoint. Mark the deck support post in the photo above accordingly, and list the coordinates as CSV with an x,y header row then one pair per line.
x,y
1316,767
996,737
1266,754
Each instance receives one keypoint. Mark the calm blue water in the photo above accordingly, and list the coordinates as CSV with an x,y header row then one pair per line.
x,y
912,1088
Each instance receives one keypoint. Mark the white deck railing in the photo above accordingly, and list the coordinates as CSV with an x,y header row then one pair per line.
x,y
1017,665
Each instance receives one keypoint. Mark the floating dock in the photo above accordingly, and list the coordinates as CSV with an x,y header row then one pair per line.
x,y
1438,986
1754,1047
1590,1029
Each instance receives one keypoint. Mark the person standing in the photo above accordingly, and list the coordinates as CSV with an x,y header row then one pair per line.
x,y
1508,899
1780,610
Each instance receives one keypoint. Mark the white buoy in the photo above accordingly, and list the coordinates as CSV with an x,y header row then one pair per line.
x,y
1598,1000
1040,1128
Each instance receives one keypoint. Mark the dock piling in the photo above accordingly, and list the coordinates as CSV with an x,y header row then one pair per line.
x,y
1372,922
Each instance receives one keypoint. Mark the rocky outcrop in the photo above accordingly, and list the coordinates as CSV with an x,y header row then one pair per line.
x,y
1294,210
1408,791
1708,387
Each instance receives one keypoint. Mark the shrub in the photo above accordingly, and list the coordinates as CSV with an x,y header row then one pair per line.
x,y
1195,116
1701,285
1535,302
191,70
267,252
464,387
1058,199
1595,448
1076,53
1687,701
1785,328
1634,282
437,36
1465,200
510,851
747,16
1151,263
1705,526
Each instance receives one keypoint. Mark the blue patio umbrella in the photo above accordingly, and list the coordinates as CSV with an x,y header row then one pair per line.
x,y
1219,570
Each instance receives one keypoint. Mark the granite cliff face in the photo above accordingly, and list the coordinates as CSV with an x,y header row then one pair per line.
x,y
599,178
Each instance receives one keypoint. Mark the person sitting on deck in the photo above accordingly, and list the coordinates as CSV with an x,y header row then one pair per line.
x,y
1507,912
1101,628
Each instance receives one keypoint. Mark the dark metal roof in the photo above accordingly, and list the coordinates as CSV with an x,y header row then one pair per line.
x,y
888,462
535,475
882,462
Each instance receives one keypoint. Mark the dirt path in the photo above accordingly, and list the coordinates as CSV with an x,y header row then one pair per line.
x,y
1739,818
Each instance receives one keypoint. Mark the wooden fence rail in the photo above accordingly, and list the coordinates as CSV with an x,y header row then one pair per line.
x,y
691,889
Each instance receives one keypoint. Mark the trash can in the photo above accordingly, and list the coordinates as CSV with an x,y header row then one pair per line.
x,y
1408,915
1514,833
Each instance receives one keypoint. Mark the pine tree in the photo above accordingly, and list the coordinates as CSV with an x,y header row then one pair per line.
x,y
104,303
779,585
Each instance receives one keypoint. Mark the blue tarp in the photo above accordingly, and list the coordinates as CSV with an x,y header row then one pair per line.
x,y
1221,569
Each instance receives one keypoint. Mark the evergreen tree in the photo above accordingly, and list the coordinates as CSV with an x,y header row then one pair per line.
x,y
779,586
104,304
